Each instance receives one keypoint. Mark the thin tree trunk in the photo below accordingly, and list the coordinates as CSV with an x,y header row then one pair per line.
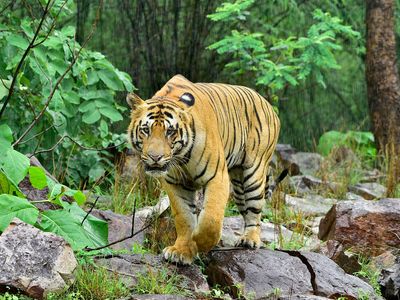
x,y
383,84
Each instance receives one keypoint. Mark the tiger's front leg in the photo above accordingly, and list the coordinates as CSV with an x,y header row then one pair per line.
x,y
216,193
183,212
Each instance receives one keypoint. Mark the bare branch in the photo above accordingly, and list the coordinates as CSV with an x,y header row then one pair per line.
x,y
60,79
53,25
30,46
76,143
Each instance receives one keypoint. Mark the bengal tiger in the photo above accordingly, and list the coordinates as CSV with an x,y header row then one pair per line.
x,y
206,136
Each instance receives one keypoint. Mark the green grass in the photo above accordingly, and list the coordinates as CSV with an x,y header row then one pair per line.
x,y
93,283
161,281
370,273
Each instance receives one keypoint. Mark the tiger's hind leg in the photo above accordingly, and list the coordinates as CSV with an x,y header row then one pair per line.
x,y
236,178
254,183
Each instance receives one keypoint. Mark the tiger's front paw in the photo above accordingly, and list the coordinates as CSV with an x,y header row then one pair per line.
x,y
250,239
181,253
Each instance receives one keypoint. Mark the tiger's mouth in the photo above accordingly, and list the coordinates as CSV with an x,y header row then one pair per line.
x,y
156,169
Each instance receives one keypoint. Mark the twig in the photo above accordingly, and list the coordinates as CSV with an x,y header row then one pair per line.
x,y
133,233
50,97
53,25
76,143
36,135
90,210
21,61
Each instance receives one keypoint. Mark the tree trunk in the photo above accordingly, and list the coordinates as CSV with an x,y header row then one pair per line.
x,y
383,84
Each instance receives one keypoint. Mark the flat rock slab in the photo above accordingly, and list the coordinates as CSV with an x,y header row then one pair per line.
x,y
259,273
33,261
233,228
310,205
369,227
368,190
129,266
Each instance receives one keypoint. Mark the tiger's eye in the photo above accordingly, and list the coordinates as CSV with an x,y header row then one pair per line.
x,y
145,130
171,131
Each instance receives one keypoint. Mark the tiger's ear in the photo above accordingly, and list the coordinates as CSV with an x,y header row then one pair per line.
x,y
134,100
187,98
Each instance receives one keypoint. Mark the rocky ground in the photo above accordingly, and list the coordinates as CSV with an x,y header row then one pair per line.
x,y
325,224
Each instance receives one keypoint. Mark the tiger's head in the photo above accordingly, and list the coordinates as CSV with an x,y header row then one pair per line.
x,y
161,131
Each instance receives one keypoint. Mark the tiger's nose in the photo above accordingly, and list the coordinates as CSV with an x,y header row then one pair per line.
x,y
155,157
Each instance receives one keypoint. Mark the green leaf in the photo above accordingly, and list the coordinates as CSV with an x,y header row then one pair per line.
x,y
16,207
37,177
111,113
79,197
67,223
6,138
4,86
15,165
18,41
95,228
110,80
7,187
91,117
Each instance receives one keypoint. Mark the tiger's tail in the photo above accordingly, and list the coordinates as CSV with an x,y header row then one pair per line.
x,y
271,188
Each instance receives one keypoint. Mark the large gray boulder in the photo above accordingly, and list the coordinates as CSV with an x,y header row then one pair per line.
x,y
262,272
369,227
33,261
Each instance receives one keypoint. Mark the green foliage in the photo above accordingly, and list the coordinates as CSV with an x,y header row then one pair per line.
x,y
16,207
370,273
83,106
65,222
289,60
232,11
362,143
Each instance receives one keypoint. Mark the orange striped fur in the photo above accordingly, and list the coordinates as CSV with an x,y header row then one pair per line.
x,y
206,136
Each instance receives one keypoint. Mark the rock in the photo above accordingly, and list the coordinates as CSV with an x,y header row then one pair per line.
x,y
311,205
368,227
389,279
120,226
261,272
372,175
156,297
354,197
368,190
306,163
347,260
306,184
233,228
130,266
33,194
33,261
156,210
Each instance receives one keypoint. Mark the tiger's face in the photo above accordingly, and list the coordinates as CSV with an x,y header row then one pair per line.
x,y
160,132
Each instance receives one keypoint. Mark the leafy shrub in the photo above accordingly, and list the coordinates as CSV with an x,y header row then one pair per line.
x,y
361,142
289,60
83,106
66,221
